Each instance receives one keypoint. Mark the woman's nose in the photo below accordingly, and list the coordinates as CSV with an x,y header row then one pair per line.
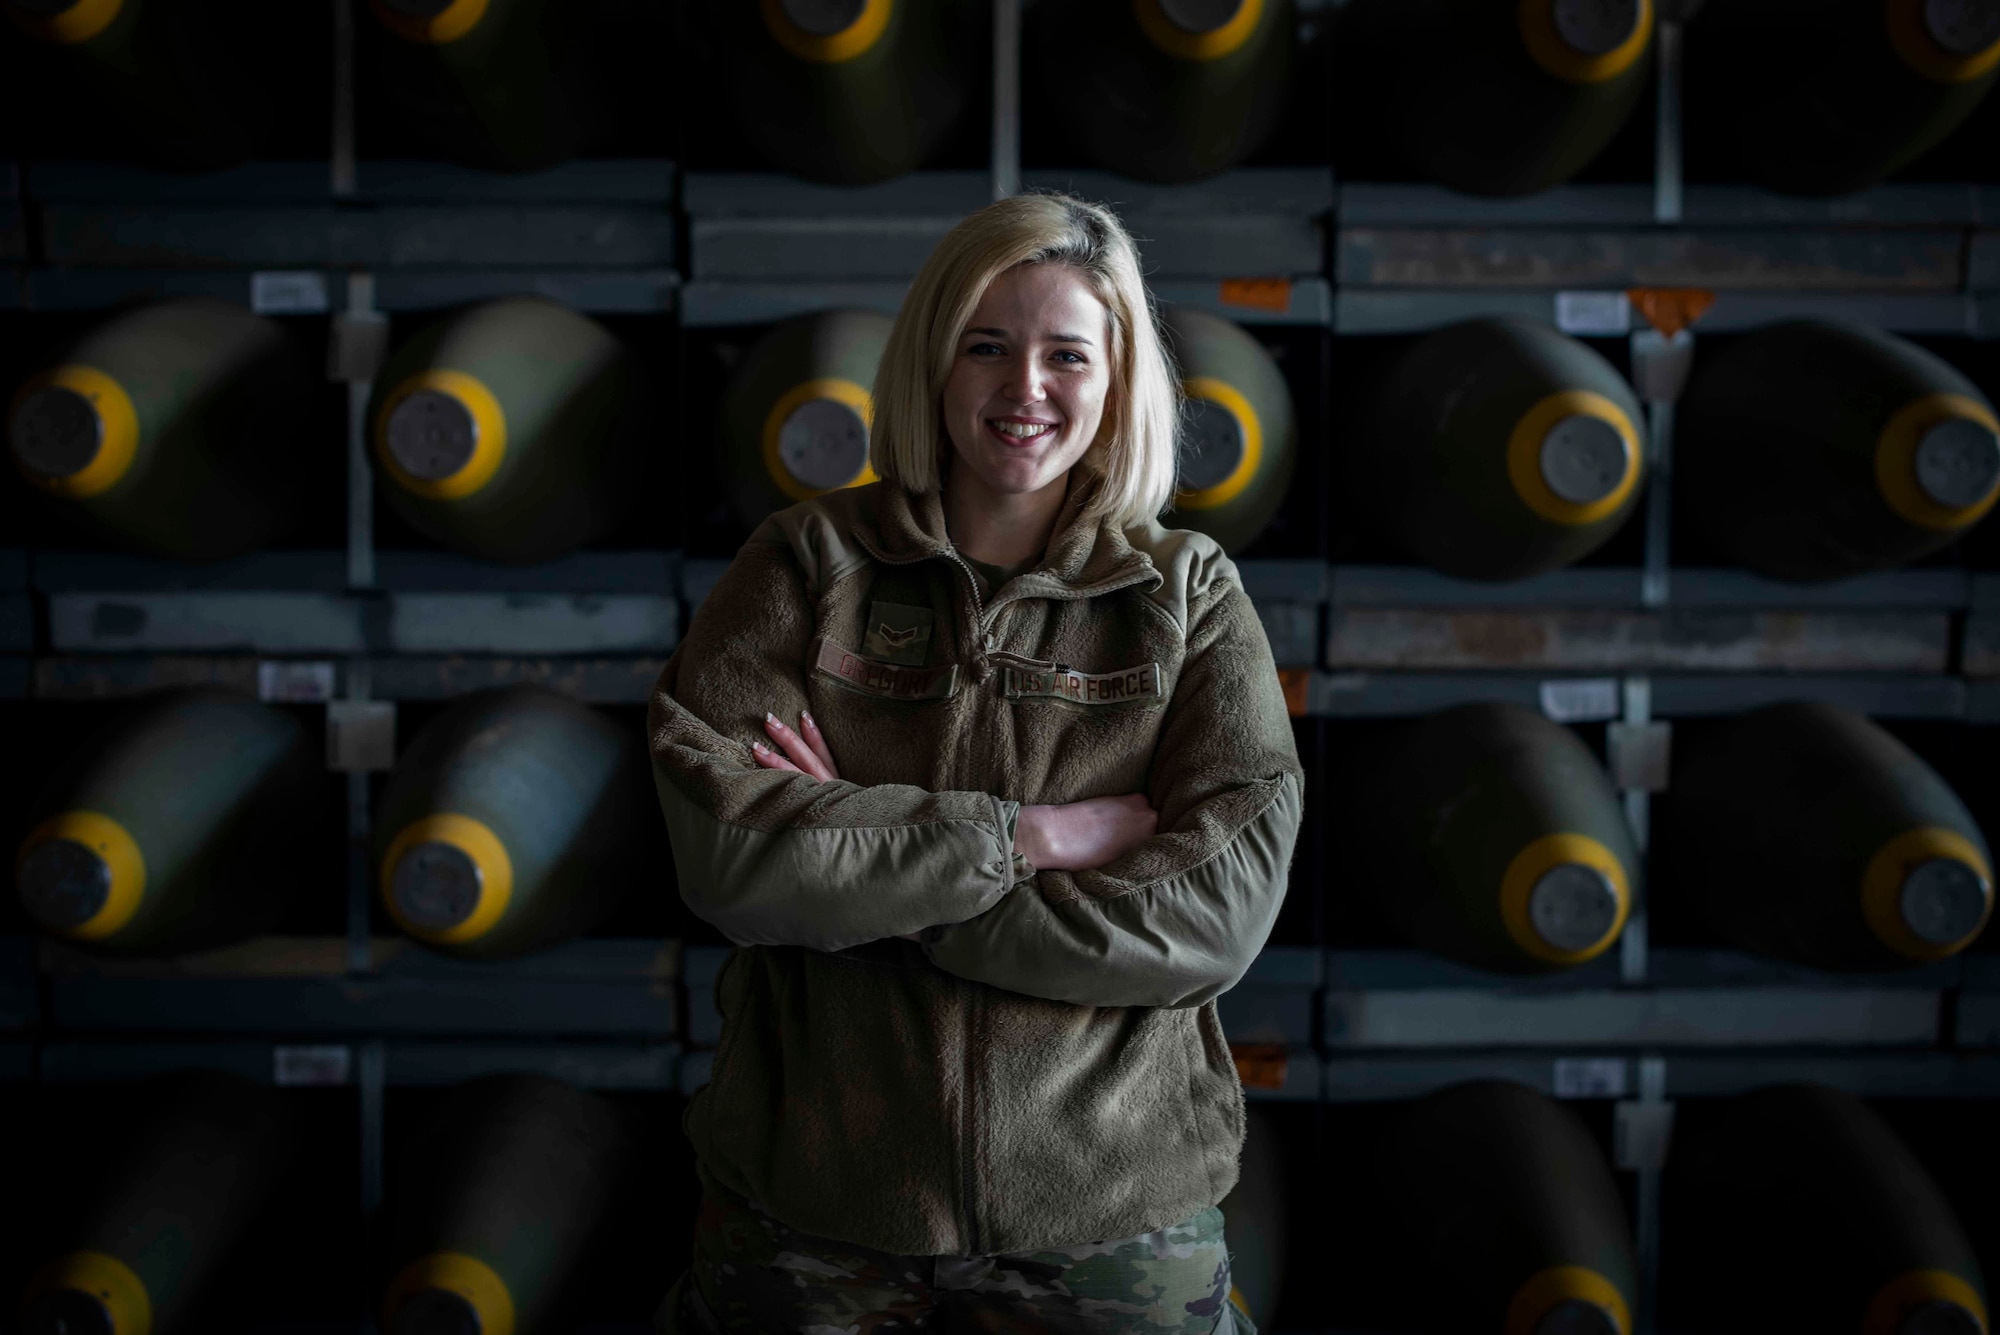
x,y
1024,383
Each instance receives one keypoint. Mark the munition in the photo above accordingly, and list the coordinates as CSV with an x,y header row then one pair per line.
x,y
848,92
1165,90
1509,1210
504,84
1492,836
175,827
1807,833
1237,448
512,431
176,428
1500,449
1808,1188
508,826
1495,98
1811,450
177,1197
796,414
1829,98
516,1174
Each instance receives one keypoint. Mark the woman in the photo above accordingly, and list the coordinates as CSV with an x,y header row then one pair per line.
x,y
1035,814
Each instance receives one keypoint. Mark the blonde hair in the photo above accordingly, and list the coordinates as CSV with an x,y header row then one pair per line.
x,y
1134,449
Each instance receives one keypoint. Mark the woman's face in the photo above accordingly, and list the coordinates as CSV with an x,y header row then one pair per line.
x,y
1028,378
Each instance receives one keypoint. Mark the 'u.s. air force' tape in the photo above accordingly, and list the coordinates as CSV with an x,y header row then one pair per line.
x,y
1085,688
885,679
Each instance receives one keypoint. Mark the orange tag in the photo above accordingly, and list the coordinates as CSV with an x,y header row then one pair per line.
x,y
1295,682
1263,294
1671,309
1260,1065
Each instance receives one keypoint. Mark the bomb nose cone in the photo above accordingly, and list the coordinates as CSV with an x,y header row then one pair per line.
x,y
435,1312
431,435
1201,16
1958,462
1576,1317
57,432
823,18
70,1312
1572,907
436,886
1212,445
44,9
1584,459
1939,1318
1943,901
1596,27
823,444
64,884
1963,27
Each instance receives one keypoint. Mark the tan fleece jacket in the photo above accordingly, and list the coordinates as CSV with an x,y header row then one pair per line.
x,y
1047,1068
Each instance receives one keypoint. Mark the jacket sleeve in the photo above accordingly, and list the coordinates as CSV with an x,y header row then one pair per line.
x,y
1177,920
776,858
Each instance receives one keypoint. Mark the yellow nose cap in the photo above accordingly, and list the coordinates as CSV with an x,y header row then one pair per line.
x,y
827,32
81,875
89,1291
441,434
447,879
444,1286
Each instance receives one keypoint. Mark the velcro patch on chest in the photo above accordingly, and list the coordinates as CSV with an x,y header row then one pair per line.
x,y
1085,688
888,680
898,633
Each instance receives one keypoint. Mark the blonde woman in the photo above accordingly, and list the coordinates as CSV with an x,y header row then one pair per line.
x,y
990,778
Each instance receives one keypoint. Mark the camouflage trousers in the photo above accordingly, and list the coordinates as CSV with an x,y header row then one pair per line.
x,y
752,1273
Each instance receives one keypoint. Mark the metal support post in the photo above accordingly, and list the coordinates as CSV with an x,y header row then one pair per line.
x,y
1644,1134
1660,367
342,177
1006,98
1638,767
1667,139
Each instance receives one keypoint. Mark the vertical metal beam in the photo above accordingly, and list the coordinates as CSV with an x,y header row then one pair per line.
x,y
360,476
343,176
1006,98
1654,578
1667,137
358,335
1646,1234
1634,943
373,1081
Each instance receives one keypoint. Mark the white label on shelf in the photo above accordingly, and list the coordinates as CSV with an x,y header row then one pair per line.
x,y
288,292
1593,313
295,683
1590,1077
328,1065
1588,700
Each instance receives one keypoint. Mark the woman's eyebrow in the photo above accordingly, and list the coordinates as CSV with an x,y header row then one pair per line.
x,y
1053,338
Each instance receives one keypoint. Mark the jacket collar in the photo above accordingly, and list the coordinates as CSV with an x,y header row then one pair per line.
x,y
1083,553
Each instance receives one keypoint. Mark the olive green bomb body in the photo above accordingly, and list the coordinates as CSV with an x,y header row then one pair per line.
x,y
1165,90
515,1175
513,430
1505,1206
1254,1219
514,821
1495,97
1811,450
174,828
502,84
1809,1190
177,84
849,92
1500,449
1491,836
797,412
177,428
1238,442
174,1198
1808,833
1828,97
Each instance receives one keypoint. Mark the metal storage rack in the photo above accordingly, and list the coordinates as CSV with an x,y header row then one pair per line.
x,y
1632,647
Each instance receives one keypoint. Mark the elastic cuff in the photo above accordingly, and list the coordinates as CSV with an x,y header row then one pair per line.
x,y
1018,868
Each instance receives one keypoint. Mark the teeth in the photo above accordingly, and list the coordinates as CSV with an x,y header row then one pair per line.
x,y
1023,429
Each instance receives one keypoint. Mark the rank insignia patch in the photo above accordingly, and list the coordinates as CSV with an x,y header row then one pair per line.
x,y
898,634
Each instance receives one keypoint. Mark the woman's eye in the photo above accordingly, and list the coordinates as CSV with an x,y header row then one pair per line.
x,y
983,349
1071,358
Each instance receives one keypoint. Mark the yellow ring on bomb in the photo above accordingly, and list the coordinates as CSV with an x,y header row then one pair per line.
x,y
856,39
489,434
1232,401
121,855
1517,887
1177,41
840,390
476,840
1524,456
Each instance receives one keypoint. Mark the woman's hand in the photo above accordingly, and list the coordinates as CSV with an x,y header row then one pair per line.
x,y
1073,836
1080,836
808,753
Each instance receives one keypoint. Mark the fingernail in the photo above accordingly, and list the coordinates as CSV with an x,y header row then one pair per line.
x,y
806,716
759,748
771,721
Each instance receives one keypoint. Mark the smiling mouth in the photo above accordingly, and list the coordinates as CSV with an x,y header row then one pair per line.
x,y
1020,432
